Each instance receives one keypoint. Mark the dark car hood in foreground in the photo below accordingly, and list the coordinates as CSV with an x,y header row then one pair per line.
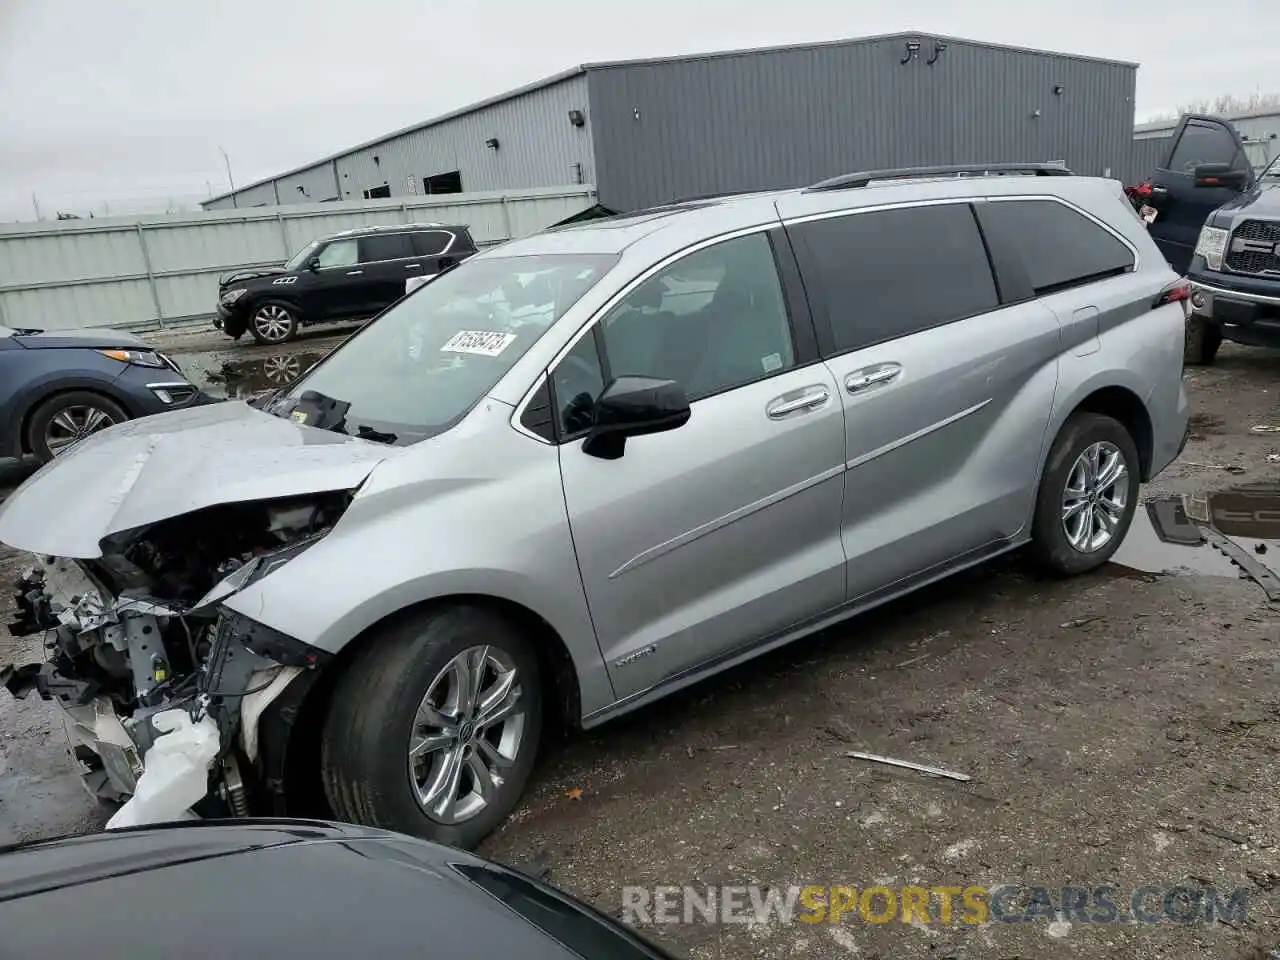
x,y
1264,200
280,888
144,471
91,338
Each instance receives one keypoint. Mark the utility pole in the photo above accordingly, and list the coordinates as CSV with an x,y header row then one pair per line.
x,y
36,203
227,160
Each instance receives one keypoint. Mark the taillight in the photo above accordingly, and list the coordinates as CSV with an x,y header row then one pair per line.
x,y
1177,292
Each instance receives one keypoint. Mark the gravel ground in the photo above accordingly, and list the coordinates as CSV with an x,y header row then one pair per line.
x,y
1120,729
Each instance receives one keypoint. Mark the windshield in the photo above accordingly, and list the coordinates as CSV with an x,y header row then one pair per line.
x,y
418,368
299,259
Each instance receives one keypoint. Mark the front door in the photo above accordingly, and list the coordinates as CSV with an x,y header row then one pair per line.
x,y
699,542
331,290
946,392
1182,207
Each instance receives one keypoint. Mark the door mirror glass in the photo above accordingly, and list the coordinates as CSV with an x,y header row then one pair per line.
x,y
1220,175
632,407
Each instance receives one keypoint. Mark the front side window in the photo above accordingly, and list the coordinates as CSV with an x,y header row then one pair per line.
x,y
712,321
1060,247
1203,143
339,253
891,273
299,259
417,369
385,246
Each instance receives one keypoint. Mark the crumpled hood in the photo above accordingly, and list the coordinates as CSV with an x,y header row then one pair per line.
x,y
147,470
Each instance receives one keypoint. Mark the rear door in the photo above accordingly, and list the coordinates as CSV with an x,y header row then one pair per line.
x,y
946,385
384,264
433,251
1183,207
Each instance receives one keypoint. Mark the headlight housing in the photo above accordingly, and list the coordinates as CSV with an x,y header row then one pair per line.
x,y
231,296
138,358
1212,245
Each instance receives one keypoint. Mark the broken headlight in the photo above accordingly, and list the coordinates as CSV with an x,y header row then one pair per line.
x,y
254,570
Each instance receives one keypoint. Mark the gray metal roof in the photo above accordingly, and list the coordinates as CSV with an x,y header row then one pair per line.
x,y
569,74
1169,125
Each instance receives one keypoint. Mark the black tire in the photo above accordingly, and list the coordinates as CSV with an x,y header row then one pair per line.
x,y
43,430
1203,338
365,749
1050,547
273,322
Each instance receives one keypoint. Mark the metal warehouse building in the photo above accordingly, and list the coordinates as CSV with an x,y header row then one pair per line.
x,y
651,131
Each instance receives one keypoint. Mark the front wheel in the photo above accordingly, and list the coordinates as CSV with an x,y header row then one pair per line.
x,y
434,730
273,322
67,418
1087,497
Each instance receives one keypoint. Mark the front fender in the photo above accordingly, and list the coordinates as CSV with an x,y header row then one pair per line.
x,y
39,388
482,514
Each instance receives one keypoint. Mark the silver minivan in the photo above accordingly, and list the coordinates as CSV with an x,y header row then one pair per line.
x,y
588,468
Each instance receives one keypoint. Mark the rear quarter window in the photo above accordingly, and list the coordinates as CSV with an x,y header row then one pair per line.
x,y
888,274
1059,247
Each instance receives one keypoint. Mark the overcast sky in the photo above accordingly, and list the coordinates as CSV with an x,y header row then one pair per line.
x,y
116,100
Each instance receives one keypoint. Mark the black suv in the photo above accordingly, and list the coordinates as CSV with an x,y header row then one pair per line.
x,y
348,276
1218,222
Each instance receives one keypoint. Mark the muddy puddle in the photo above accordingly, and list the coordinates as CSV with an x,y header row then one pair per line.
x,y
1230,533
245,378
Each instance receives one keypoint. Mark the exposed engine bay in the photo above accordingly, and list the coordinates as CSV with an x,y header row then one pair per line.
x,y
161,685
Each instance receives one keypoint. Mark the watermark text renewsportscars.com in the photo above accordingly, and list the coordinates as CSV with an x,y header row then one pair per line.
x,y
933,905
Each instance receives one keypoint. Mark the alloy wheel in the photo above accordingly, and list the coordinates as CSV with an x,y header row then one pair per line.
x,y
1096,497
70,425
467,734
273,322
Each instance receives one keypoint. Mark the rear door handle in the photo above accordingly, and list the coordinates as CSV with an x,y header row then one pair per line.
x,y
354,273
811,399
872,376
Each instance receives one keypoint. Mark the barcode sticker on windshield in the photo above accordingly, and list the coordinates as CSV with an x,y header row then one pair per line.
x,y
487,343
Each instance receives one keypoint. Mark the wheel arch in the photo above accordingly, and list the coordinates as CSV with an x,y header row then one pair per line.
x,y
292,727
1123,405
46,392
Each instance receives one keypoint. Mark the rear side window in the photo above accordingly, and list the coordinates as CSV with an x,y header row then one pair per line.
x,y
1060,247
431,243
385,246
1202,143
879,276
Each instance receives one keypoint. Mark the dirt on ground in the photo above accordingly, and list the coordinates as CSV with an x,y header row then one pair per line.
x,y
1121,730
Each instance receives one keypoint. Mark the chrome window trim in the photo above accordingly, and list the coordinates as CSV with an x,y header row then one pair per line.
x,y
786,222
612,302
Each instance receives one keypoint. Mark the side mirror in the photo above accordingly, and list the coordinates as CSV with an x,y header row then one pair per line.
x,y
313,264
632,407
1220,175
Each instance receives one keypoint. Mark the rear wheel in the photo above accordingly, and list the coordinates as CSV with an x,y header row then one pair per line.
x,y
1203,338
434,730
273,322
1088,495
67,418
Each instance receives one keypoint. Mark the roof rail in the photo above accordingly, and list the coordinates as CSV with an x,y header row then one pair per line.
x,y
851,180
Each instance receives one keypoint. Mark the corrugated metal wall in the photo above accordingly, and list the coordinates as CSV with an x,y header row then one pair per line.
x,y
767,119
537,147
1145,154
157,270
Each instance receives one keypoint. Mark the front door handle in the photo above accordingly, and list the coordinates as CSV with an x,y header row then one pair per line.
x,y
871,377
354,273
811,399
413,266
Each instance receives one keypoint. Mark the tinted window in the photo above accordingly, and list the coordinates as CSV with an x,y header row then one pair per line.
x,y
712,321
892,273
385,246
1202,143
340,253
1060,248
430,243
